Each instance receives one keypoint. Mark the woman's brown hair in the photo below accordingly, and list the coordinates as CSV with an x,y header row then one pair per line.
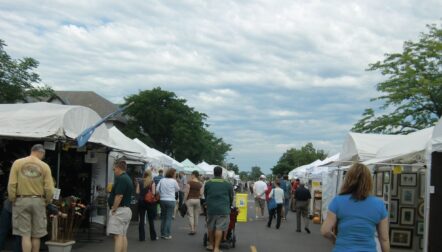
x,y
358,182
170,173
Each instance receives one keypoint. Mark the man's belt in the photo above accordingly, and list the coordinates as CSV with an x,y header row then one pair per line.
x,y
30,196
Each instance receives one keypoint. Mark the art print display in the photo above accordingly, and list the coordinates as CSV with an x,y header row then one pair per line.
x,y
379,184
421,243
408,179
394,211
401,238
407,216
386,188
420,228
386,177
394,185
408,196
422,185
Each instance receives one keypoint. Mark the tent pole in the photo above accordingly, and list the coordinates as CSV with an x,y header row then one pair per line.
x,y
58,163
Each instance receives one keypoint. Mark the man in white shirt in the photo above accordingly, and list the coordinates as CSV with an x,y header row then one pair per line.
x,y
259,190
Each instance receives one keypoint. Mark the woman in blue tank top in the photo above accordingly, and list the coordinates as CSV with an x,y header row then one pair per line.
x,y
357,215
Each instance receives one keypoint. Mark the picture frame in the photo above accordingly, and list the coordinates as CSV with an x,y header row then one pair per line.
x,y
420,210
401,238
393,211
420,228
422,185
408,179
421,243
394,185
386,177
408,196
407,216
379,184
386,188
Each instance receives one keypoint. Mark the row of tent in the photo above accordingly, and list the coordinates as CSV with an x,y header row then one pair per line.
x,y
375,149
60,123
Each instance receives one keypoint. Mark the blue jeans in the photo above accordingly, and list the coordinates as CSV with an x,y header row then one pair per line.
x,y
167,208
286,206
150,209
5,226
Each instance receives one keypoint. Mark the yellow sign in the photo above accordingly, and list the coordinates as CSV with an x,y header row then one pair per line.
x,y
316,184
397,169
241,204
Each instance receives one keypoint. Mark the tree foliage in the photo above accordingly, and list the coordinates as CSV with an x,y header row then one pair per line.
x,y
255,173
18,79
165,122
244,176
293,158
412,90
232,167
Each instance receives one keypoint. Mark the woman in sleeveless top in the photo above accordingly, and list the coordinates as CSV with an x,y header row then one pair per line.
x,y
143,187
192,196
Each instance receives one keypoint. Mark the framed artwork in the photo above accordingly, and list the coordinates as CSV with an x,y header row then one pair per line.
x,y
401,238
386,187
379,184
420,228
422,184
394,185
394,211
420,210
408,196
386,177
421,243
407,216
408,179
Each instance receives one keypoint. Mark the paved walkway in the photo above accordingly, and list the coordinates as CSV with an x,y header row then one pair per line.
x,y
251,233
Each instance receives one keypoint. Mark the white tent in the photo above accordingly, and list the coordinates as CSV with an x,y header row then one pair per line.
x,y
361,147
50,121
158,157
301,171
208,169
126,146
407,149
189,167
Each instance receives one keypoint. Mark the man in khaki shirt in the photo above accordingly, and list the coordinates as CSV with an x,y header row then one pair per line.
x,y
30,188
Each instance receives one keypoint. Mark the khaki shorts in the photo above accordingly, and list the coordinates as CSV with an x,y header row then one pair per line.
x,y
261,203
218,222
29,217
119,222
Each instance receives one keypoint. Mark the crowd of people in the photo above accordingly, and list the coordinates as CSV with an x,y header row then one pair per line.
x,y
353,218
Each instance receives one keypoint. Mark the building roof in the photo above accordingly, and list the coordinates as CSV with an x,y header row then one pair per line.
x,y
91,100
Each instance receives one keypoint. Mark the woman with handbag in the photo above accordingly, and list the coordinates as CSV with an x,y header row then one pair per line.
x,y
275,204
192,196
146,203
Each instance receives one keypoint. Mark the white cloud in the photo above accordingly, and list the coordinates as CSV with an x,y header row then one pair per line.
x,y
243,63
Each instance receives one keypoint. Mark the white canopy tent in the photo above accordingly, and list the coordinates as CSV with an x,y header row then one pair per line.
x,y
361,147
158,158
208,169
126,146
189,167
50,122
301,171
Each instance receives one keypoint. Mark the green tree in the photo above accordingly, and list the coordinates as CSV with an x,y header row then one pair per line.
x,y
412,90
244,176
255,173
293,158
165,122
232,167
18,79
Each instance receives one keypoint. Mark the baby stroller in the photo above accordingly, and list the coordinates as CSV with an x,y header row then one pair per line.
x,y
230,237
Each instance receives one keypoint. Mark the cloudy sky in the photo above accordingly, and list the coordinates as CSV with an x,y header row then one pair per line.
x,y
270,74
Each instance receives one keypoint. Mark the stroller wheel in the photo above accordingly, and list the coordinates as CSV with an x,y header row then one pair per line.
x,y
205,239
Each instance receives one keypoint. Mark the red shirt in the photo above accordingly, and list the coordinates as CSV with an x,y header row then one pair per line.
x,y
269,189
295,185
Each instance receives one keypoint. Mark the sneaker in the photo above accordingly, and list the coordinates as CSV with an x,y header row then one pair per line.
x,y
168,237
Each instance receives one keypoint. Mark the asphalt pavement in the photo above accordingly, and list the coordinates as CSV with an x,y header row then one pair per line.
x,y
253,233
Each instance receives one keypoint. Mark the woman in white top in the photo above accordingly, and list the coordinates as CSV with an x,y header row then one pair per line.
x,y
278,194
167,187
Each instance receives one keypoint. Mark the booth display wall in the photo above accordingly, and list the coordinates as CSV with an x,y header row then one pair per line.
x,y
435,223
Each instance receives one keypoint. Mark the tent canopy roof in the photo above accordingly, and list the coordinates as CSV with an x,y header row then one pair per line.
x,y
361,147
46,120
189,167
